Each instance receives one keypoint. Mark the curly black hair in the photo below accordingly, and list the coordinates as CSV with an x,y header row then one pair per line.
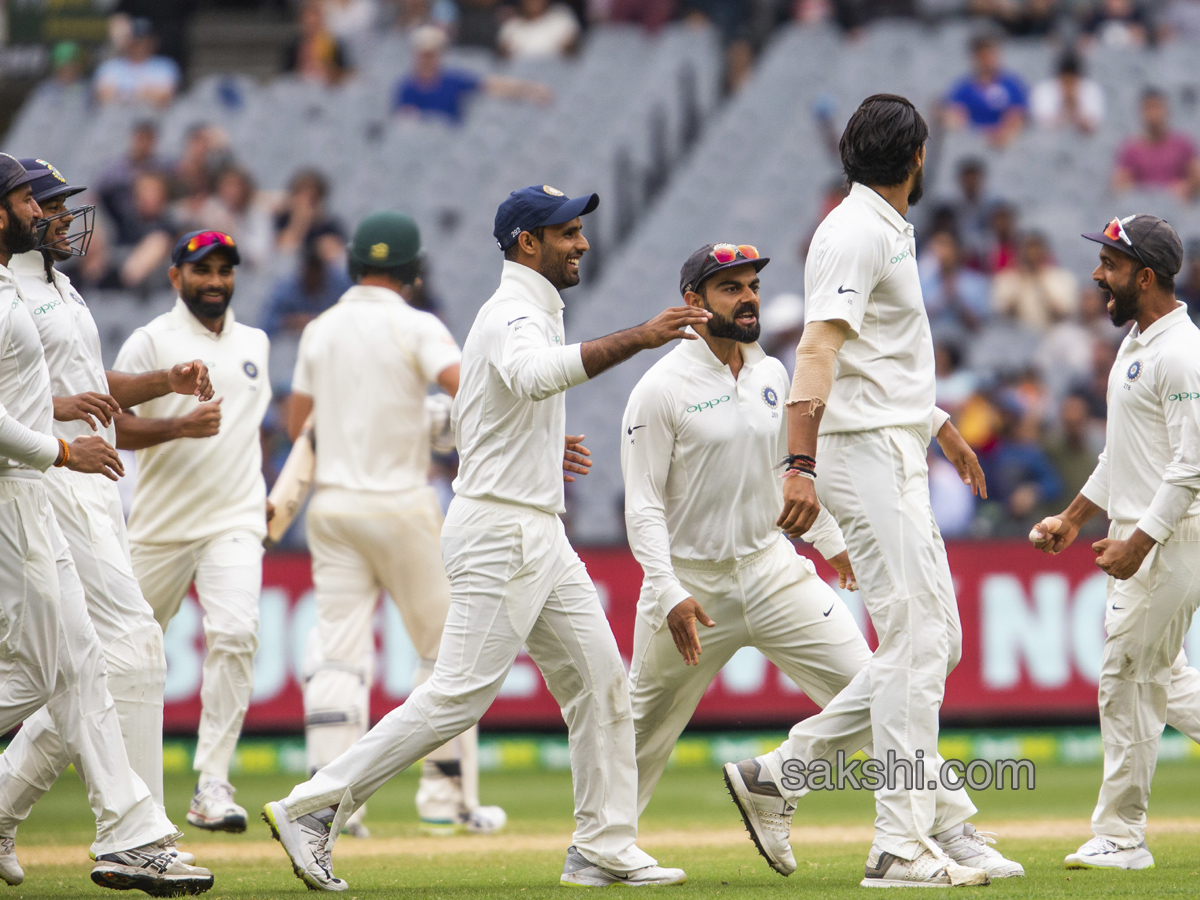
x,y
880,140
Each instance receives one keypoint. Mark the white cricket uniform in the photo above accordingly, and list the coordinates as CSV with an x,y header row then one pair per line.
x,y
514,579
1147,478
199,511
88,510
872,476
49,654
700,453
374,522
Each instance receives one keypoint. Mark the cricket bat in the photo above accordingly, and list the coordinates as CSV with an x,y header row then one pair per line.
x,y
293,484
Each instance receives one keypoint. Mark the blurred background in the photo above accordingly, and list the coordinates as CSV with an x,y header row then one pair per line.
x,y
283,123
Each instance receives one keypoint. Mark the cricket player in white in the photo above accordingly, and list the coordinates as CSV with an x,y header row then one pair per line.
x,y
514,577
88,509
868,469
703,435
363,372
1147,480
50,655
199,507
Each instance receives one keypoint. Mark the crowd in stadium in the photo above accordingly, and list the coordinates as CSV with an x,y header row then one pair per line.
x,y
987,280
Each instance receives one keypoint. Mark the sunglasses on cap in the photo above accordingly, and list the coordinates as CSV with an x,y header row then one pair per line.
x,y
207,239
727,253
1115,231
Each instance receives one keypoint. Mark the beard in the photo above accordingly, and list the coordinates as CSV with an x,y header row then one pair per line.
x,y
559,274
203,308
721,327
1124,300
20,236
918,188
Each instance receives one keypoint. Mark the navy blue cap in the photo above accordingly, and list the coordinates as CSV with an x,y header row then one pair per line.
x,y
209,241
50,182
13,174
533,207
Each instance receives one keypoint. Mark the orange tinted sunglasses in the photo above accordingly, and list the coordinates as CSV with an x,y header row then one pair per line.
x,y
727,253
207,239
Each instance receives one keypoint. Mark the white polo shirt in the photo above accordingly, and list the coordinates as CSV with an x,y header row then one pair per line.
x,y
194,488
69,338
509,417
1149,471
367,362
24,380
701,454
862,269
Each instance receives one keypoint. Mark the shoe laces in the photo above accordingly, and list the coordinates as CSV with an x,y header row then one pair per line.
x,y
779,822
1101,845
8,845
978,841
218,791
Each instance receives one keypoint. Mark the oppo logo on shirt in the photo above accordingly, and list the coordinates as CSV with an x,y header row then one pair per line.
x,y
707,404
1187,395
42,310
900,257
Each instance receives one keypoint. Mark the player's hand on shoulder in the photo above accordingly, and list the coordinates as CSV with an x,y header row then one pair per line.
x,y
841,565
682,621
203,421
191,378
669,325
800,506
575,457
94,455
86,407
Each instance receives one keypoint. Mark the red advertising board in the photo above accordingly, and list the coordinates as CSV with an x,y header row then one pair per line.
x,y
1032,641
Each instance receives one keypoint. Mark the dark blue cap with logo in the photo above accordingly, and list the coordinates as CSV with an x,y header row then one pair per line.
x,y
195,245
50,182
533,207
13,174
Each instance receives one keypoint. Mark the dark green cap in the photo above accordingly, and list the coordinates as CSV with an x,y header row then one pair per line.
x,y
384,240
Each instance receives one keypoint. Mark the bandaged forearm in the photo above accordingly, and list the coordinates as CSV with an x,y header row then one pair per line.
x,y
816,358
26,446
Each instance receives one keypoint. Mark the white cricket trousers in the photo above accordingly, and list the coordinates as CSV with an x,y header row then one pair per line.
x,y
876,484
50,656
772,600
88,510
227,571
514,579
1145,682
363,543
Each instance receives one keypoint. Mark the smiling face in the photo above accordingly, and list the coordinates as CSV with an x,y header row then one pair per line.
x,y
559,251
55,241
205,286
731,295
1117,275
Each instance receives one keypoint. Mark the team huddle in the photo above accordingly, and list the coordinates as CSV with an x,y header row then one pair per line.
x,y
713,495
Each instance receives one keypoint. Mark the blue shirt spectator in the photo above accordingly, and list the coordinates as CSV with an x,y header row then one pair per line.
x,y
136,75
297,299
444,94
990,98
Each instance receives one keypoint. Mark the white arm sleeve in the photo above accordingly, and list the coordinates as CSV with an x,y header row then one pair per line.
x,y
825,535
940,418
1181,479
26,446
532,366
645,462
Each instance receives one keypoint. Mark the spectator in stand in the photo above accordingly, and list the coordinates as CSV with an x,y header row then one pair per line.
x,y
957,299
1158,157
67,65
135,74
539,30
972,210
1020,476
990,98
1118,23
143,241
1035,292
1068,100
1002,243
348,20
955,384
782,323
951,501
1073,447
1187,283
316,55
853,15
1180,21
205,150
299,298
433,89
1020,18
245,215
303,217
1064,353
478,24
1094,388
650,14
115,185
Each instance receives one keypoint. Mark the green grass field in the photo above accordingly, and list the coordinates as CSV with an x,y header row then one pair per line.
x,y
691,823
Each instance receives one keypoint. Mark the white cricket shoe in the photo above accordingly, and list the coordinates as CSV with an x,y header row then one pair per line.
x,y
213,808
10,869
170,844
578,872
1101,853
306,842
768,816
483,819
151,869
969,847
886,870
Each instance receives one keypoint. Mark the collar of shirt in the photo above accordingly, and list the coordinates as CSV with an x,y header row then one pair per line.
x,y
1174,317
699,352
182,312
370,293
530,285
31,264
889,213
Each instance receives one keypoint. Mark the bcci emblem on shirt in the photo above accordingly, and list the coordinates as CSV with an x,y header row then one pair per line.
x,y
1135,371
770,397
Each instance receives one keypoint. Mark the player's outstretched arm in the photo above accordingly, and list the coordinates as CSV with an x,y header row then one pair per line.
x,y
130,390
137,433
606,352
